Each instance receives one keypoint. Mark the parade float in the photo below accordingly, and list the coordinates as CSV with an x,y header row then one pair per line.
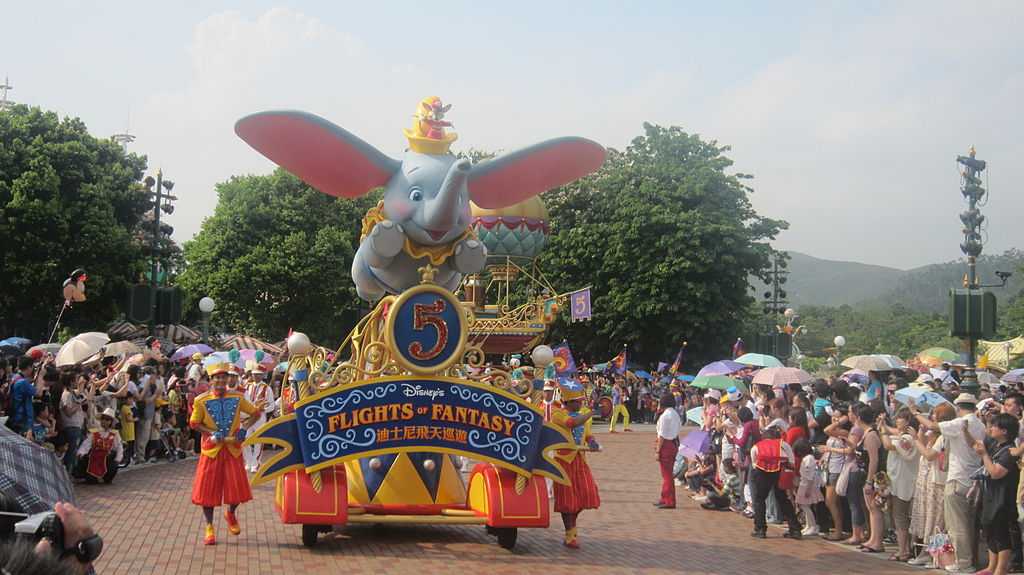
x,y
376,433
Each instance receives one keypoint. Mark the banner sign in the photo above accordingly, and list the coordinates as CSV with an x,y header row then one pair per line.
x,y
580,304
413,413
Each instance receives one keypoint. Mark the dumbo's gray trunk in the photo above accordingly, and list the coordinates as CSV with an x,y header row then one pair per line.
x,y
441,212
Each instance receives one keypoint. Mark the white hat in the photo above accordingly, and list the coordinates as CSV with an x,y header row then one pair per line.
x,y
714,394
255,367
966,398
855,384
549,385
109,412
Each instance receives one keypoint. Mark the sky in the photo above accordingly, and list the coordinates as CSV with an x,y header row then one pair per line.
x,y
848,114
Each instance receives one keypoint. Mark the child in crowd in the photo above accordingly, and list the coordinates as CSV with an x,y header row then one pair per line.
x,y
700,475
127,431
730,495
44,428
808,491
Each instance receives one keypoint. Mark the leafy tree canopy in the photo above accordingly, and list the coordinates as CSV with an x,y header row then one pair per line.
x,y
67,200
277,254
667,238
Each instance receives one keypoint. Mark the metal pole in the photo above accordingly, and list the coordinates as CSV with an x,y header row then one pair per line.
x,y
206,328
153,253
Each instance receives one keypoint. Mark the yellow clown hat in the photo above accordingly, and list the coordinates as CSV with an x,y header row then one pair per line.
x,y
217,363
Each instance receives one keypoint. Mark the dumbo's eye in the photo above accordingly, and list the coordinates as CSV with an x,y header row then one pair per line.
x,y
416,194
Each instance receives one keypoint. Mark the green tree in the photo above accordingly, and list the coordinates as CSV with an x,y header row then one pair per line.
x,y
275,255
667,238
67,200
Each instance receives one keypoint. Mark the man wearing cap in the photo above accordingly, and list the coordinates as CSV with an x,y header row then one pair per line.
x,y
101,450
581,493
256,392
220,476
959,435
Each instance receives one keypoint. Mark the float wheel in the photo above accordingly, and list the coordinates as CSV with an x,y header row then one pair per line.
x,y
507,537
309,535
491,530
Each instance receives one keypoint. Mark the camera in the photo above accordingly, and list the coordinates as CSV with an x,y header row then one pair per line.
x,y
45,525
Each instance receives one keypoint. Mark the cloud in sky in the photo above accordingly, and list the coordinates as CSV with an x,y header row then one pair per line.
x,y
849,115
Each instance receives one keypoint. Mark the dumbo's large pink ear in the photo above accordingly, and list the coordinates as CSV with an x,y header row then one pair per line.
x,y
323,155
512,178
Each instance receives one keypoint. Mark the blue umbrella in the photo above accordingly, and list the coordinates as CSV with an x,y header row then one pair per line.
x,y
696,415
921,396
643,374
723,367
17,342
686,378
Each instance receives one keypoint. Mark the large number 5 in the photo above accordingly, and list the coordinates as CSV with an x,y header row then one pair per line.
x,y
424,315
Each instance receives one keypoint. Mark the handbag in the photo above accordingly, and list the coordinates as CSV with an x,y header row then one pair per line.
x,y
844,478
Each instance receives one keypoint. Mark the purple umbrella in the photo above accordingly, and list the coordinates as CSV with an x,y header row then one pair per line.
x,y
694,443
723,367
1014,376
187,351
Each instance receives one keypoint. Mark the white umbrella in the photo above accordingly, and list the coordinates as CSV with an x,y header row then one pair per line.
x,y
119,348
81,347
781,376
867,363
893,361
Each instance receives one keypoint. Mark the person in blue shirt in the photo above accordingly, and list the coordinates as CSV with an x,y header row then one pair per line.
x,y
822,398
874,386
23,392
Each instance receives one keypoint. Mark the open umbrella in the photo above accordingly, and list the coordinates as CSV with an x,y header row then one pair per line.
x,y
723,367
643,374
16,342
1014,376
894,362
867,363
695,443
696,415
719,382
44,348
758,360
260,356
120,348
858,375
10,350
81,347
190,350
922,397
936,356
31,475
685,378
781,376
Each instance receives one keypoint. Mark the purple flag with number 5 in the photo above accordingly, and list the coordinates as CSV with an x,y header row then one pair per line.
x,y
580,302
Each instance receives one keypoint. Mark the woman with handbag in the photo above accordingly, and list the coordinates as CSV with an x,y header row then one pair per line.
x,y
926,514
871,457
999,478
901,466
838,463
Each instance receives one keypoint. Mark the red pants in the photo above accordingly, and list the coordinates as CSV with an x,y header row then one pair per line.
x,y
220,480
666,459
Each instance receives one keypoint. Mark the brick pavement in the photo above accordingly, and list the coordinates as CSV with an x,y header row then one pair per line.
x,y
150,526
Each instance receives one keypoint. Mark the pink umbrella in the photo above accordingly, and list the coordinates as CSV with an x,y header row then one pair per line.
x,y
257,355
781,376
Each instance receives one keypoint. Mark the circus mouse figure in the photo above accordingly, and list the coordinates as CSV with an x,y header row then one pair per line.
x,y
424,217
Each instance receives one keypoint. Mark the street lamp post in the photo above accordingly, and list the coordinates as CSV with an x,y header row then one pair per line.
x,y
838,341
154,246
206,306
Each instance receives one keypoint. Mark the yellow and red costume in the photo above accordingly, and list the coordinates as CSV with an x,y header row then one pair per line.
x,y
220,476
581,493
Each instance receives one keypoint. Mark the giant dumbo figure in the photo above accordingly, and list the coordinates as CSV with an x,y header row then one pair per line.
x,y
424,217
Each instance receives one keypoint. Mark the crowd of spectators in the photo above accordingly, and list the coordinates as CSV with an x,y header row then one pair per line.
x,y
935,484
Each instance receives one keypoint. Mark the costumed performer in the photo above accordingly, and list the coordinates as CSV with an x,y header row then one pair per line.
x,y
101,450
582,492
220,476
256,392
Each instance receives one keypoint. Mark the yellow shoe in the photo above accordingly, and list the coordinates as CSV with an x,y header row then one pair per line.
x,y
233,527
210,538
570,539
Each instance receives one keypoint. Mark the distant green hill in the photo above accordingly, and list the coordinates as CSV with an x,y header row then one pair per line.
x,y
815,281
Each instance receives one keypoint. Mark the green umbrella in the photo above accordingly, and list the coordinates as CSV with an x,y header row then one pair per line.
x,y
719,382
759,360
935,356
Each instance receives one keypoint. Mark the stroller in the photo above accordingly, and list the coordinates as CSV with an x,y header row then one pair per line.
x,y
162,446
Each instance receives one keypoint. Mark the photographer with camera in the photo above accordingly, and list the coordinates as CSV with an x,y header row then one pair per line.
x,y
28,386
73,407
53,543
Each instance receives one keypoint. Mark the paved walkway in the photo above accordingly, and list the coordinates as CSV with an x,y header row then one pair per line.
x,y
150,526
